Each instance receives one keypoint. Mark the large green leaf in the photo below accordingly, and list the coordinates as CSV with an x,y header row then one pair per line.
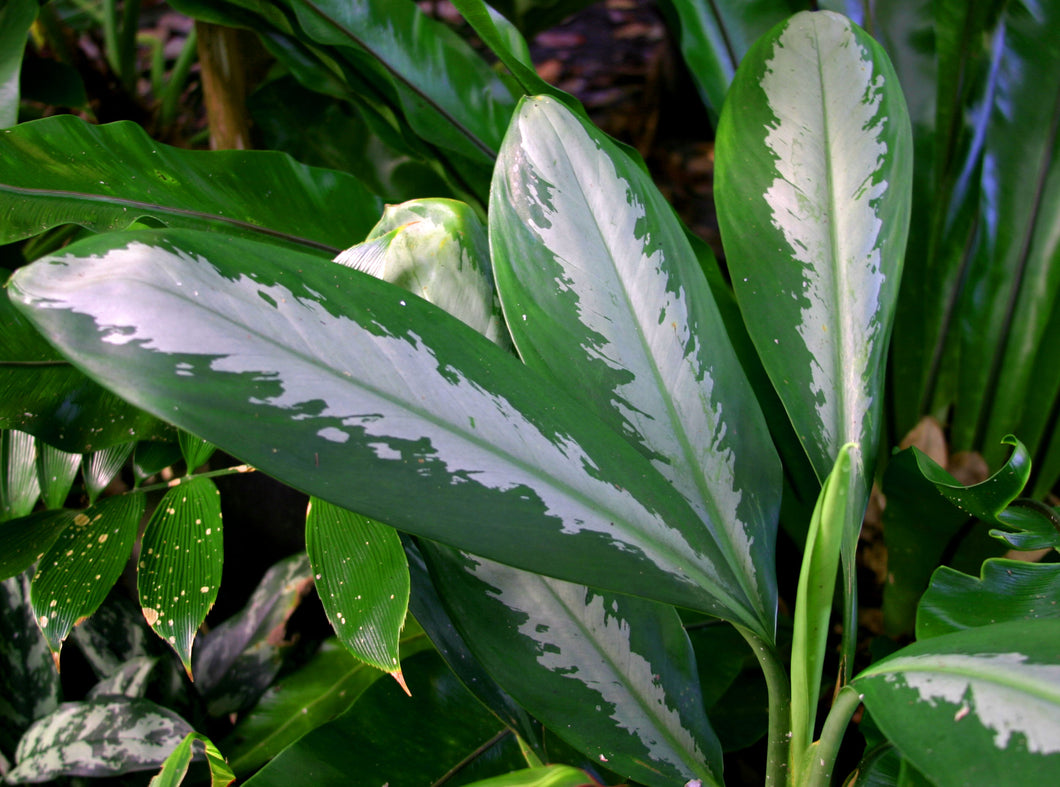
x,y
813,188
179,568
1005,590
61,170
362,579
102,737
603,294
980,706
328,684
79,570
389,738
352,390
560,648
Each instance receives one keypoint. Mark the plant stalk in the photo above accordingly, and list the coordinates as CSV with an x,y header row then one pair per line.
x,y
819,766
779,688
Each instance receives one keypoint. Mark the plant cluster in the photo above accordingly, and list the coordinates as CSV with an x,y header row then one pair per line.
x,y
548,441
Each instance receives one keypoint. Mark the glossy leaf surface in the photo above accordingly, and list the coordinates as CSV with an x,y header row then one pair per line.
x,y
390,738
179,570
56,470
101,467
19,485
603,293
103,737
977,706
238,659
813,189
560,648
329,683
546,776
331,375
1005,590
362,579
79,570
61,170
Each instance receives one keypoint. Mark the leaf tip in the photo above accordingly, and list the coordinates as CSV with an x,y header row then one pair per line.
x,y
396,675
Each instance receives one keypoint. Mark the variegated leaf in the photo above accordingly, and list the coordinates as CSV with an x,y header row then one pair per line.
x,y
103,737
129,680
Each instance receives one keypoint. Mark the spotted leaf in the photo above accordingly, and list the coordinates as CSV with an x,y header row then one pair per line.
x,y
179,570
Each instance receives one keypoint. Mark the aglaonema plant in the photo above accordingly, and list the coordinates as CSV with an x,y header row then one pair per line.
x,y
568,506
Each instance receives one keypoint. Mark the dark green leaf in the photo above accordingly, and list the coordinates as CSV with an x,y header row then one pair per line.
x,y
79,570
363,581
1006,590
179,571
152,457
604,295
979,706
16,16
62,170
196,452
560,649
29,684
389,738
318,374
239,659
326,686
24,541
56,470
103,737
19,486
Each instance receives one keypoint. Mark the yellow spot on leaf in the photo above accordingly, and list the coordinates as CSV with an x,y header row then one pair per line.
x,y
204,589
151,616
44,621
102,537
81,520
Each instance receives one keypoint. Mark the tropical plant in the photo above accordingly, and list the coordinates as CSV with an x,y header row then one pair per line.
x,y
547,446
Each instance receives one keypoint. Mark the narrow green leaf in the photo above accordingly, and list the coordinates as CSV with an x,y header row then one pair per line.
x,y
1006,590
16,16
19,486
560,648
56,470
103,737
603,293
317,374
237,660
79,570
175,768
29,684
61,170
362,578
196,452
101,467
24,541
151,457
813,187
179,571
389,738
546,776
813,601
325,687
979,706
129,680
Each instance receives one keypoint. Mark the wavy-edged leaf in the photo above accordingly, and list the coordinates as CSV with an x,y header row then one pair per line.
x,y
979,706
1005,590
325,687
19,485
449,94
76,574
24,541
102,737
813,186
813,601
603,293
237,660
179,569
16,16
61,170
388,737
29,684
362,578
561,649
175,768
318,374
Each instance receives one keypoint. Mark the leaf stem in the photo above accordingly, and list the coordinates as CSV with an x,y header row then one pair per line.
x,y
779,707
184,479
819,767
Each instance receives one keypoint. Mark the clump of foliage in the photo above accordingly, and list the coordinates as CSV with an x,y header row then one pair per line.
x,y
548,446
